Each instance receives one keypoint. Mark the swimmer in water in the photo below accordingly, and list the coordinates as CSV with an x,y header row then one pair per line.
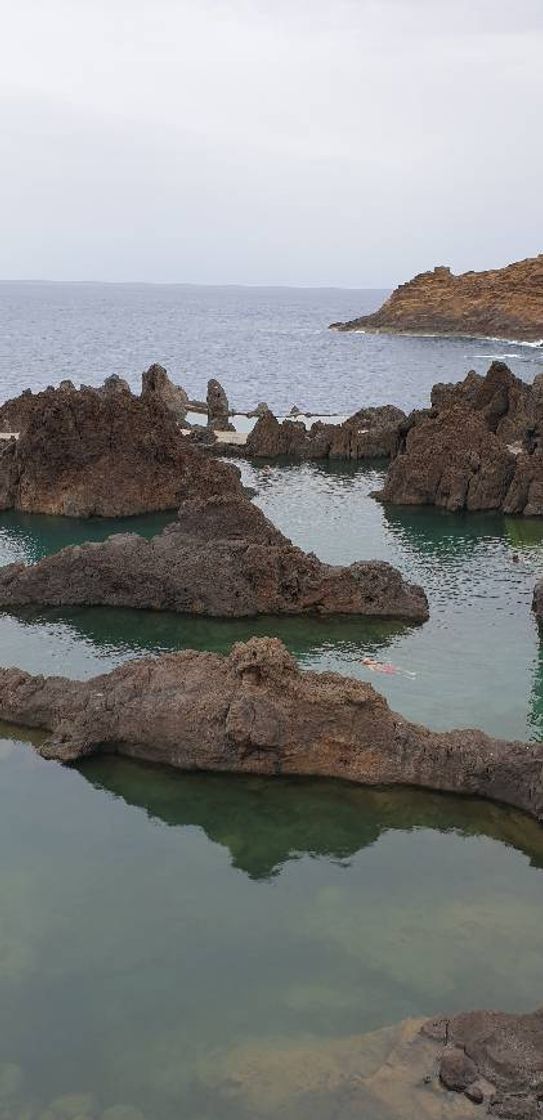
x,y
385,667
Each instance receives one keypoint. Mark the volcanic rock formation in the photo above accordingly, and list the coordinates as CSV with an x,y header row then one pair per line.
x,y
222,558
157,386
218,409
370,433
501,303
480,447
256,712
104,452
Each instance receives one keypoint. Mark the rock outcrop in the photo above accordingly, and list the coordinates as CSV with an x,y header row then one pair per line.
x,y
104,452
370,433
451,460
537,600
221,558
255,712
218,409
500,303
511,408
157,386
480,447
483,1063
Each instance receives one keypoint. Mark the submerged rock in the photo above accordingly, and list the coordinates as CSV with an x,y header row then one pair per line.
x,y
104,452
483,1063
256,712
222,558
499,303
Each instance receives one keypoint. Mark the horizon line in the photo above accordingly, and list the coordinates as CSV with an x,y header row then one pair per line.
x,y
200,284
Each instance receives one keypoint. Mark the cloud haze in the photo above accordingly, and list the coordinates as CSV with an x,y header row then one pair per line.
x,y
267,141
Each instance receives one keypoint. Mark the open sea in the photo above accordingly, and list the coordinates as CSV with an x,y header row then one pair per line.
x,y
165,938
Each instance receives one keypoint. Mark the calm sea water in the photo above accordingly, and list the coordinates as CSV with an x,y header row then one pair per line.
x,y
262,343
161,932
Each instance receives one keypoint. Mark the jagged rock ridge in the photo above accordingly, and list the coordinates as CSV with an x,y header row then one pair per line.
x,y
222,558
480,447
104,452
255,711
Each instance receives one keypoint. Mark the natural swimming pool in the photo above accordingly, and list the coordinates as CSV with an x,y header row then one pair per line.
x,y
154,926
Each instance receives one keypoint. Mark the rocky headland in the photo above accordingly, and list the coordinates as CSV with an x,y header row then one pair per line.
x,y
104,452
256,712
223,558
479,447
499,303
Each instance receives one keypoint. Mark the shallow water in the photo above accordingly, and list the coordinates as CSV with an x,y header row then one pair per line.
x,y
157,927
154,924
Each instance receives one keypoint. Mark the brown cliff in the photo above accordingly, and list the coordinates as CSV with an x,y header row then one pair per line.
x,y
500,303
104,452
221,558
256,712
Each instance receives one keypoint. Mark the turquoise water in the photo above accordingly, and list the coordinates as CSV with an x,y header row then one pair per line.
x,y
157,927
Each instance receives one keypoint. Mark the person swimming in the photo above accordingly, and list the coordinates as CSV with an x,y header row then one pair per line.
x,y
385,667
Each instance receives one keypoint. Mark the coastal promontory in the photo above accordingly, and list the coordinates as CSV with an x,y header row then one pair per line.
x,y
498,303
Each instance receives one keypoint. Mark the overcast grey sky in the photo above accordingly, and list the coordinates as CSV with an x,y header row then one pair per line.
x,y
352,142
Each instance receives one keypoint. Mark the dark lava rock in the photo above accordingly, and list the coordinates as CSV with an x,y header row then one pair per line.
x,y
223,558
453,461
370,433
157,386
218,410
107,453
256,712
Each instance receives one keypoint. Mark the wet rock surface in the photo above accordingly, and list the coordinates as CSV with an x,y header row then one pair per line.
x,y
222,557
255,712
104,452
478,448
499,303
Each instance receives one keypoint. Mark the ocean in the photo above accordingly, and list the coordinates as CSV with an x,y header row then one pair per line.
x,y
269,344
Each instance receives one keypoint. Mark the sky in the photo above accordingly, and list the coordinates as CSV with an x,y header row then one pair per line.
x,y
350,143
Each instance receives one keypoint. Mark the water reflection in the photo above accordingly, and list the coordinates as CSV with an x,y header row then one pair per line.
x,y
443,535
28,537
37,635
266,823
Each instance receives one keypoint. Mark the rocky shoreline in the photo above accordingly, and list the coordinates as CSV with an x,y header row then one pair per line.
x,y
500,303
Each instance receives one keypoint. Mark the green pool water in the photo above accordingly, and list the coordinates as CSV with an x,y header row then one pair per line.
x,y
155,926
